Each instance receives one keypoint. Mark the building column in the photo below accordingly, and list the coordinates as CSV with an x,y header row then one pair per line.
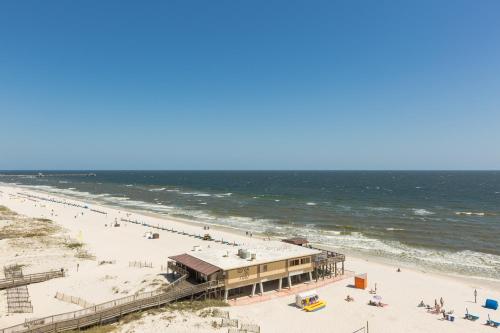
x,y
261,288
280,281
226,293
310,276
289,282
253,289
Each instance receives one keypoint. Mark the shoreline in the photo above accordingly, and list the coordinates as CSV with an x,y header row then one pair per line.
x,y
92,282
491,283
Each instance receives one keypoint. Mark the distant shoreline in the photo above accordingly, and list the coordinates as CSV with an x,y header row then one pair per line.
x,y
489,282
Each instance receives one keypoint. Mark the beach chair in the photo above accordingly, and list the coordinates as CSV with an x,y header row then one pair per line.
x,y
492,323
470,316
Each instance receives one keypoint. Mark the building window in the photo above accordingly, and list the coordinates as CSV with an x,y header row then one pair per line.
x,y
301,261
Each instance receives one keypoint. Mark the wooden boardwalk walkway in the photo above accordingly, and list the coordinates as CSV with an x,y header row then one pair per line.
x,y
24,280
113,310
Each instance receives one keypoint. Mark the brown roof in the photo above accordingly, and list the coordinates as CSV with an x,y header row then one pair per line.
x,y
296,241
195,264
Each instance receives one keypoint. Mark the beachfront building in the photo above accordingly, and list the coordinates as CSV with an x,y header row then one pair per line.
x,y
246,271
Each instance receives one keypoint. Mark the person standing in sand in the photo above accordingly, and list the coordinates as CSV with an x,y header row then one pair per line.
x,y
441,301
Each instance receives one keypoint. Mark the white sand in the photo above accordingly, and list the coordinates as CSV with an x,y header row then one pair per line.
x,y
100,283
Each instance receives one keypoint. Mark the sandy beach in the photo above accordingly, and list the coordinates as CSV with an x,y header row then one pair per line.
x,y
97,257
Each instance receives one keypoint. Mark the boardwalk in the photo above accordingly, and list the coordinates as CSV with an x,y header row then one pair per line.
x,y
29,279
114,310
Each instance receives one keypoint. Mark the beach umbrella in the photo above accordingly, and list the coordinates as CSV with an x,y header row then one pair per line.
x,y
377,298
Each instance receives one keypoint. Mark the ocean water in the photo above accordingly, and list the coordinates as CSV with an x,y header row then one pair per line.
x,y
439,219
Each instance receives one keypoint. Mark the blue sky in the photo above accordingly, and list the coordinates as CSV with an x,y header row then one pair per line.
x,y
250,84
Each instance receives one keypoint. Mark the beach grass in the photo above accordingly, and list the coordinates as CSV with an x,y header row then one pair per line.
x,y
98,329
74,245
205,307
22,227
196,305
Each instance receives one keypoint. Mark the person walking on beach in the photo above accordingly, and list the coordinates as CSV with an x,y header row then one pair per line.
x,y
441,301
475,295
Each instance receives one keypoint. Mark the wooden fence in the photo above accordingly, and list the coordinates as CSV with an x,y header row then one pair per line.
x,y
140,264
29,279
111,311
18,300
250,328
73,300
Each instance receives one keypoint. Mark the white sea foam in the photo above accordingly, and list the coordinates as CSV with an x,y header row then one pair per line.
x,y
222,195
421,212
380,209
311,204
202,195
129,185
471,213
464,262
121,198
157,189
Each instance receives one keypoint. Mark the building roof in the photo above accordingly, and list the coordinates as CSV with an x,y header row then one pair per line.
x,y
296,240
265,252
195,264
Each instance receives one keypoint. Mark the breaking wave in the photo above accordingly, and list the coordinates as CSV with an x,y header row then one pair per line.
x,y
467,262
421,212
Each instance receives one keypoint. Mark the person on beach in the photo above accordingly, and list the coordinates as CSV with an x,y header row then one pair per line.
x,y
441,301
475,295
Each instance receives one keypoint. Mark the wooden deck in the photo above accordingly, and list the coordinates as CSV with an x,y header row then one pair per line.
x,y
325,264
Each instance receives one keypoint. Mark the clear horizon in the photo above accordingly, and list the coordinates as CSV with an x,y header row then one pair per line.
x,y
254,170
321,85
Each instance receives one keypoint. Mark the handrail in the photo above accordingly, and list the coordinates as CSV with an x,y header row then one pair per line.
x,y
29,279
